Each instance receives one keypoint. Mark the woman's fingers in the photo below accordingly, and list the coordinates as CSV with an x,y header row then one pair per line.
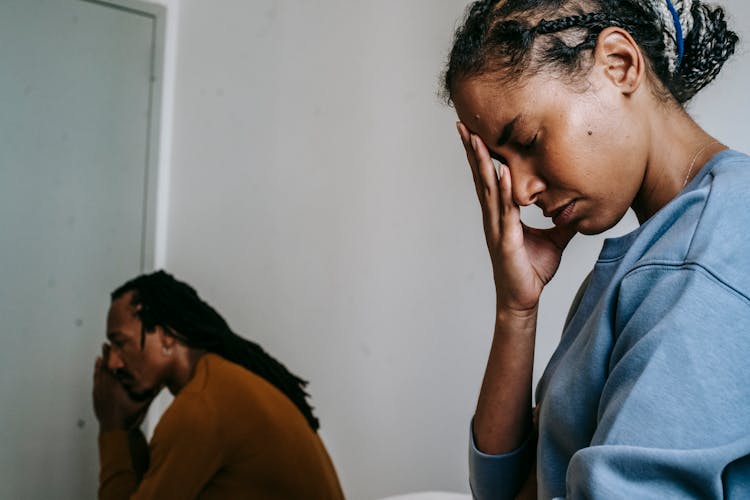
x,y
490,194
503,212
494,189
465,135
485,166
472,144
561,236
510,211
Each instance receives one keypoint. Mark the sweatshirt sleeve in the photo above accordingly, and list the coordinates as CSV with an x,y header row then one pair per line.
x,y
185,453
118,465
673,420
502,476
498,477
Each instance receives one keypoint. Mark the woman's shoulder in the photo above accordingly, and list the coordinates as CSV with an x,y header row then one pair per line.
x,y
720,241
728,171
706,226
723,193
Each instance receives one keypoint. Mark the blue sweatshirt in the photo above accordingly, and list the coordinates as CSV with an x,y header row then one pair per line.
x,y
648,393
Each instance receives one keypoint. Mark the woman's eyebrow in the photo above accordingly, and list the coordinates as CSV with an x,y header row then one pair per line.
x,y
507,131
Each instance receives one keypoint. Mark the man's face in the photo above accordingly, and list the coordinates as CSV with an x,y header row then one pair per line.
x,y
140,369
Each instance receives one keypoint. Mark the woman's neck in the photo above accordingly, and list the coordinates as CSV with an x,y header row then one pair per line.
x,y
678,150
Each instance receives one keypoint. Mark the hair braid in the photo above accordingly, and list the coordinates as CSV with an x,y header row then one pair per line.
x,y
590,20
498,39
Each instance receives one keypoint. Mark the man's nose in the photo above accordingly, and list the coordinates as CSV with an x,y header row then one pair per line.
x,y
115,361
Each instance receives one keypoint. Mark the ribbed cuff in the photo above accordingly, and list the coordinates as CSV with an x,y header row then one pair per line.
x,y
498,476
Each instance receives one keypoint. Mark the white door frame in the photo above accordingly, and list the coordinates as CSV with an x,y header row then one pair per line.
x,y
153,239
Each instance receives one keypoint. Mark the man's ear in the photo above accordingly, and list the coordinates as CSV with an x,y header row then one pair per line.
x,y
620,59
167,341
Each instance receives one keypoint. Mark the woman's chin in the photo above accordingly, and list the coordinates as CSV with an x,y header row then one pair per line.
x,y
593,227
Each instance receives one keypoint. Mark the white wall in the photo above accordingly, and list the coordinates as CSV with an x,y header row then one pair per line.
x,y
319,198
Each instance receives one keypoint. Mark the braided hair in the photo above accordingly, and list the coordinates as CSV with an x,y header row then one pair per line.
x,y
685,42
176,307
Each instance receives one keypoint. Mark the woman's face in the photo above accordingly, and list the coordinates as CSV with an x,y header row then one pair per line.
x,y
578,153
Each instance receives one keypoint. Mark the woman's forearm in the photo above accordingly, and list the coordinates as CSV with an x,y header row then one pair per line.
x,y
503,415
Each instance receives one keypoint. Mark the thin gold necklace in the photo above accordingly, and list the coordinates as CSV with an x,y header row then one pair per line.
x,y
695,157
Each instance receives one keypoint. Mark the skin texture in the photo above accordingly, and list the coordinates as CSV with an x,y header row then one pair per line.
x,y
128,377
605,142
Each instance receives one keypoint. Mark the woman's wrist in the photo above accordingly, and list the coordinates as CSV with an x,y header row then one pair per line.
x,y
514,314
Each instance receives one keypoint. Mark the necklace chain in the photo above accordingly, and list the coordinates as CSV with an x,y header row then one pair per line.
x,y
695,157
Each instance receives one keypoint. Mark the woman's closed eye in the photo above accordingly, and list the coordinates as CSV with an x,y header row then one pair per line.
x,y
498,159
530,144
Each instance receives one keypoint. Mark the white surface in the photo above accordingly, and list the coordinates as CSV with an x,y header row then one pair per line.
x,y
430,495
320,199
74,98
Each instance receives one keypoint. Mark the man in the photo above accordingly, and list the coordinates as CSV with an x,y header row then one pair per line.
x,y
239,425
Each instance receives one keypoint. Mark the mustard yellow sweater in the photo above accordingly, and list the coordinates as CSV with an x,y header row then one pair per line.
x,y
228,434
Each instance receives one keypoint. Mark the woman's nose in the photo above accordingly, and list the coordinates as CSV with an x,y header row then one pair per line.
x,y
526,186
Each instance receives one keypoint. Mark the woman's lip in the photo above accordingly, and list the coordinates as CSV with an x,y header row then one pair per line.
x,y
563,215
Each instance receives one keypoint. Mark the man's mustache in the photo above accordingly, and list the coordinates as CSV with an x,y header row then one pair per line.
x,y
123,376
126,378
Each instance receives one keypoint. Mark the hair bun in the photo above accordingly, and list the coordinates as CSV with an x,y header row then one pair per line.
x,y
708,44
674,33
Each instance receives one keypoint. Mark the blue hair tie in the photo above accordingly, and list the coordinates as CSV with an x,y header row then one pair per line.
x,y
678,28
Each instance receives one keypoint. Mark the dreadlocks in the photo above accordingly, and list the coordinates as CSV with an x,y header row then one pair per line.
x,y
176,307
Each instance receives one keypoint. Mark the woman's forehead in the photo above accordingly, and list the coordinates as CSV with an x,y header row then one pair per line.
x,y
481,105
483,102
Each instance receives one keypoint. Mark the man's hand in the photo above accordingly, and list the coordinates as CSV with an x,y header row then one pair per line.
x,y
113,406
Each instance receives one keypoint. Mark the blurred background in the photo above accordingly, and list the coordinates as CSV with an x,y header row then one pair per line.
x,y
293,162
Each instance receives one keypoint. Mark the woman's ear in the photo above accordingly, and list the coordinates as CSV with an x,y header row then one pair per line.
x,y
620,58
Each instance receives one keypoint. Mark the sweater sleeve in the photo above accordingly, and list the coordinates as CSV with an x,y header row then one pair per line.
x,y
185,453
498,476
502,476
124,459
673,419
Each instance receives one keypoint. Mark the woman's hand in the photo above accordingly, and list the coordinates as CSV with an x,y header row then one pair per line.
x,y
524,259
113,406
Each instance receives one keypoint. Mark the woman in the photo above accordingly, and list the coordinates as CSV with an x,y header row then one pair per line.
x,y
581,103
